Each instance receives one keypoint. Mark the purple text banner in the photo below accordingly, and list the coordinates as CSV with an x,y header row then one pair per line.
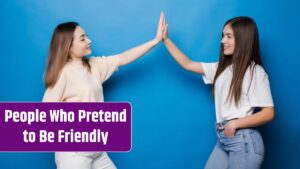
x,y
65,126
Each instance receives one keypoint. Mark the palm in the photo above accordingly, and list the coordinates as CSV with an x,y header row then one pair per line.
x,y
165,29
159,33
165,32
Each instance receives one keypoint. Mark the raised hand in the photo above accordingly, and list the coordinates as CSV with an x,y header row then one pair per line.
x,y
132,54
159,32
165,29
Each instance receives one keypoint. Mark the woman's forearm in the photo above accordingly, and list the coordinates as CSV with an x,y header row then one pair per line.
x,y
257,119
136,52
177,54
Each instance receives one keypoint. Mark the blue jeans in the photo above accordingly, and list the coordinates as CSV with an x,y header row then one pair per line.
x,y
243,151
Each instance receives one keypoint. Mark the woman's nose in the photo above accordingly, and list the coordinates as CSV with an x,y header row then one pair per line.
x,y
89,40
223,40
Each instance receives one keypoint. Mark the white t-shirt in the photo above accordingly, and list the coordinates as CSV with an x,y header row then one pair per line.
x,y
258,95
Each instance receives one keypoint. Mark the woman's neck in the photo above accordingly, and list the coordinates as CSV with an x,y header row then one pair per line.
x,y
76,60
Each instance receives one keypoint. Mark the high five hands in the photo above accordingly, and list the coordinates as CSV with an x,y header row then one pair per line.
x,y
162,28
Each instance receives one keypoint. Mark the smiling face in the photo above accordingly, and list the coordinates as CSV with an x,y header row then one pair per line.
x,y
228,40
81,44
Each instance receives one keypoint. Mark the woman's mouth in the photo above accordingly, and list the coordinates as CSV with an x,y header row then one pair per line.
x,y
226,47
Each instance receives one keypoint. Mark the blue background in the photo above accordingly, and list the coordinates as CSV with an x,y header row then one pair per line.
x,y
173,111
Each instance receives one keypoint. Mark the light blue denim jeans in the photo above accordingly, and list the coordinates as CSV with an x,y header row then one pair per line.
x,y
243,151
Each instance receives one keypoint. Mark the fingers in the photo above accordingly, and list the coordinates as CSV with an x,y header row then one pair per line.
x,y
165,28
164,19
160,22
229,132
162,27
165,32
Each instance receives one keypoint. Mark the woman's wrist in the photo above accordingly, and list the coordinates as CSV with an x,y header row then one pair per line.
x,y
165,40
156,41
236,124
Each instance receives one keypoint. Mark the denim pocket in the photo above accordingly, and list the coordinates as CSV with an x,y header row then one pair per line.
x,y
237,135
258,144
232,144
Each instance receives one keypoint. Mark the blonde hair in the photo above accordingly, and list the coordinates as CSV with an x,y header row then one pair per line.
x,y
59,50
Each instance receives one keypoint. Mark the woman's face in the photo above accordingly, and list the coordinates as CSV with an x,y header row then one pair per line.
x,y
81,44
228,40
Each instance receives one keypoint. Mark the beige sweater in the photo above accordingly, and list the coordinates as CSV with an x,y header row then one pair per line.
x,y
76,84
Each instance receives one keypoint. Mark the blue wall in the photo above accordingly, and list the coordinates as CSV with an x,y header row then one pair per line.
x,y
173,111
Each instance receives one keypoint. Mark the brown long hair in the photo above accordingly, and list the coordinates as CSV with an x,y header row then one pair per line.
x,y
246,52
59,52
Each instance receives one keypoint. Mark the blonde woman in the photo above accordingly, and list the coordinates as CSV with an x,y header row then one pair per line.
x,y
72,77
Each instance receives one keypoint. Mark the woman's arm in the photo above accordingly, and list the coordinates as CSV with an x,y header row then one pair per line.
x,y
266,114
178,55
134,53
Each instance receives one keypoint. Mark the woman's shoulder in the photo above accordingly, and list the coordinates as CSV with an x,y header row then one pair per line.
x,y
259,70
210,64
112,60
67,69
95,60
99,58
